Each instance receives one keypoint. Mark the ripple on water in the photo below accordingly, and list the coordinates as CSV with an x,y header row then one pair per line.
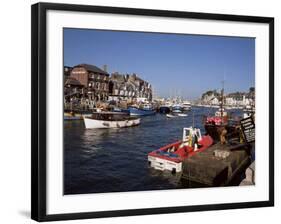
x,y
115,160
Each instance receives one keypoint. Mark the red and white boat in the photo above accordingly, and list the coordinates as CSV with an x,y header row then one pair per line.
x,y
170,157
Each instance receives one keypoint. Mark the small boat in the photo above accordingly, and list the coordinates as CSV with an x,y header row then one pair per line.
x,y
110,120
170,115
171,156
142,110
177,108
182,115
72,116
164,109
186,105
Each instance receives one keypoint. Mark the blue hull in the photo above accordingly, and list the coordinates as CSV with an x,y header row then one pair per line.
x,y
139,112
121,110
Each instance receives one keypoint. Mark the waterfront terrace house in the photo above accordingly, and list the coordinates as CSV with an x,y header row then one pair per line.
x,y
144,88
120,88
128,87
94,80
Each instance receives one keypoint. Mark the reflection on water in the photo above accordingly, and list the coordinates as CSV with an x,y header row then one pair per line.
x,y
115,160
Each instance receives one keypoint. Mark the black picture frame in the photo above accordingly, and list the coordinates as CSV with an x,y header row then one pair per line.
x,y
38,108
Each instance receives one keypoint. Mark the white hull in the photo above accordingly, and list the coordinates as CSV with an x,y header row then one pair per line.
x,y
163,164
182,115
92,123
170,115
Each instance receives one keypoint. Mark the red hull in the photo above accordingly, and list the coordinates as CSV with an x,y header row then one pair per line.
x,y
183,152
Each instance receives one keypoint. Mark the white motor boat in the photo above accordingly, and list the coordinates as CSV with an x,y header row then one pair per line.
x,y
182,115
186,105
110,120
170,115
171,156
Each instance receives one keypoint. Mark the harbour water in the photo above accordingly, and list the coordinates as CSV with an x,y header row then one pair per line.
x,y
115,160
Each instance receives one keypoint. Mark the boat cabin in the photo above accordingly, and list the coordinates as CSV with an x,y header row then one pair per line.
x,y
221,113
190,132
110,116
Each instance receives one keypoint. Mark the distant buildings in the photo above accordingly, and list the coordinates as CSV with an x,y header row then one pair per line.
x,y
90,85
231,99
210,97
129,87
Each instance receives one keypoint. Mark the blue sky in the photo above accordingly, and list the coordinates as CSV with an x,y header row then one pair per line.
x,y
185,65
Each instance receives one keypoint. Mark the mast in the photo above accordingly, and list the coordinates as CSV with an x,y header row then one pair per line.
x,y
221,106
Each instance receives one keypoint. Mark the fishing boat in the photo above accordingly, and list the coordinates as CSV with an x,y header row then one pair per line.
x,y
164,109
171,156
142,110
177,108
186,105
110,120
214,125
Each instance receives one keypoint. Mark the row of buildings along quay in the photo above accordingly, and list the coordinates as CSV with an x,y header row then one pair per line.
x,y
88,86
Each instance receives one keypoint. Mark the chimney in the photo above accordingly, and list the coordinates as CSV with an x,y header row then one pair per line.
x,y
105,68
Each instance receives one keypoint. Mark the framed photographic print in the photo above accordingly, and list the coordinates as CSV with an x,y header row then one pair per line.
x,y
139,111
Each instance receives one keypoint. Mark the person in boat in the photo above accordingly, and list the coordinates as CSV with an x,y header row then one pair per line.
x,y
195,142
190,139
172,149
187,141
184,143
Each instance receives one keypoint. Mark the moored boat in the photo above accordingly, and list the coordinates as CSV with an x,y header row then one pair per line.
x,y
170,115
164,109
110,120
182,115
72,116
177,108
117,109
215,125
171,156
186,105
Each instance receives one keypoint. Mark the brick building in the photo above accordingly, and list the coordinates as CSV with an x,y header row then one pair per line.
x,y
94,80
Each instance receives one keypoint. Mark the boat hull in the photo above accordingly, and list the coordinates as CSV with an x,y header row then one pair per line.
x,y
162,159
176,111
92,123
163,164
182,115
164,110
170,116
